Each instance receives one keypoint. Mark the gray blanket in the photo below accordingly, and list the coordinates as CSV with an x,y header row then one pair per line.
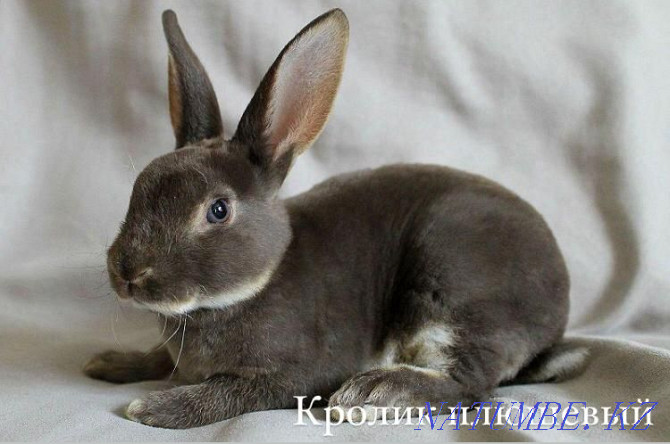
x,y
566,103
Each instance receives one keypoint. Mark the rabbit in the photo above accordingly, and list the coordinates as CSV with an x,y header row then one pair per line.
x,y
387,287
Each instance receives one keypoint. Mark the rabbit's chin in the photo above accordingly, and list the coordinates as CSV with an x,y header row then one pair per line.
x,y
204,300
168,308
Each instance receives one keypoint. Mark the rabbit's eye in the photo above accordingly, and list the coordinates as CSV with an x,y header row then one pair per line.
x,y
218,212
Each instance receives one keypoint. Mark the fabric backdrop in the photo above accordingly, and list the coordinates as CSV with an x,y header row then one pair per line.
x,y
567,103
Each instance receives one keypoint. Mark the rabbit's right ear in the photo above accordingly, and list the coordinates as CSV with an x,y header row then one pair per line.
x,y
194,110
294,99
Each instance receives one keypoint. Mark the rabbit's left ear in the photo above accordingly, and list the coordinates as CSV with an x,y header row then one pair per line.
x,y
294,99
194,110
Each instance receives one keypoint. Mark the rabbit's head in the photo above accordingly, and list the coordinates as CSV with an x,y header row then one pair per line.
x,y
204,228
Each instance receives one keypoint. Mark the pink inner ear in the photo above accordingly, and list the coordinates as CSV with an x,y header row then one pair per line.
x,y
305,85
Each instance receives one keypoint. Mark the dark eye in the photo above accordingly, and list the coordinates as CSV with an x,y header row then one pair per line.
x,y
218,212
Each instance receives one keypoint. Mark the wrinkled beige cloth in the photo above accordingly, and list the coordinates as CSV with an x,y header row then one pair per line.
x,y
566,103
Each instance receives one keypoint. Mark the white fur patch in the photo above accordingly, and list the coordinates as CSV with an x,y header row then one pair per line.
x,y
426,371
423,351
243,292
169,308
562,364
221,300
426,347
387,357
135,407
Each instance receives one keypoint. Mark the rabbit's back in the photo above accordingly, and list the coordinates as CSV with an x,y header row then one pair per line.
x,y
422,252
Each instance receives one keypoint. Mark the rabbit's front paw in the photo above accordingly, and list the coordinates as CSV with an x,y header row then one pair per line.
x,y
113,366
120,367
171,409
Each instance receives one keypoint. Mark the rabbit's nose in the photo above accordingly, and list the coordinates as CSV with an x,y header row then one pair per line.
x,y
132,280
141,275
137,279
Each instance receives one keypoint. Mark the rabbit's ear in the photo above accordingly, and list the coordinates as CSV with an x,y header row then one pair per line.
x,y
294,99
194,110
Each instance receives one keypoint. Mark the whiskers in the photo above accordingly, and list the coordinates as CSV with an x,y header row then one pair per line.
x,y
203,176
204,292
114,319
132,164
164,324
181,348
173,320
171,336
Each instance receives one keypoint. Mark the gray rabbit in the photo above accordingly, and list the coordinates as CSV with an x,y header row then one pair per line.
x,y
385,287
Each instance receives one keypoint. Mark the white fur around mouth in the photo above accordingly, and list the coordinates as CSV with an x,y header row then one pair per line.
x,y
198,300
168,308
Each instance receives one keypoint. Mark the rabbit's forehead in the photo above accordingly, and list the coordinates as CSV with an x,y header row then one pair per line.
x,y
194,174
172,186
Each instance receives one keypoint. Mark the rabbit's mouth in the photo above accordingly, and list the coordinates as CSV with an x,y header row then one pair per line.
x,y
145,291
150,295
